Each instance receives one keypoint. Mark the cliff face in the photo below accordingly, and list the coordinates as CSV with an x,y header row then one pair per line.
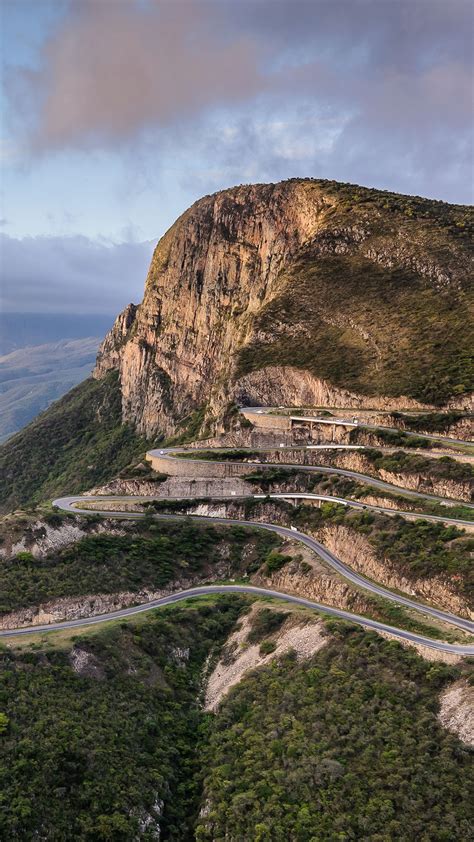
x,y
295,279
209,275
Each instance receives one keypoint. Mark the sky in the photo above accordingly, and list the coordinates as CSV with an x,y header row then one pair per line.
x,y
116,115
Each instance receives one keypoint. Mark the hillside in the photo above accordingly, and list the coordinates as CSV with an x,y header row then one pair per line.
x,y
74,444
32,378
325,740
304,292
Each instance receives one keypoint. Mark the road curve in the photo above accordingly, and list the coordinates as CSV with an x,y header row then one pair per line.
x,y
452,648
346,422
356,504
69,504
170,454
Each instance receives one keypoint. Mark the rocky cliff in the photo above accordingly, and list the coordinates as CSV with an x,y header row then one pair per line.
x,y
340,294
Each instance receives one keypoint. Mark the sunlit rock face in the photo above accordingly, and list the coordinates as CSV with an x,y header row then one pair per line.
x,y
282,293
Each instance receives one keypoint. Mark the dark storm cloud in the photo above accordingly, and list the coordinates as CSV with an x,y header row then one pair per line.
x,y
71,274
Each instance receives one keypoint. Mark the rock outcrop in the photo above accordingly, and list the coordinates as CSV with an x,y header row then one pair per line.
x,y
302,636
277,250
457,710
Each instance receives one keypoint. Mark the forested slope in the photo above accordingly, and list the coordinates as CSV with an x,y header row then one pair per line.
x,y
342,746
76,443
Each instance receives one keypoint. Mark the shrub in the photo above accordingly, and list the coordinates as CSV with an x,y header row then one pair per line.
x,y
267,647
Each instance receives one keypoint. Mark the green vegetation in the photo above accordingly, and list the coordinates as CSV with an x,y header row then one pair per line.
x,y
410,463
343,746
266,648
392,438
150,555
270,477
191,428
265,621
291,479
430,422
275,561
77,443
341,311
416,548
395,615
453,221
98,742
142,471
427,549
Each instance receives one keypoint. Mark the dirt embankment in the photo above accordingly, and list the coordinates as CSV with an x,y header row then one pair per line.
x,y
457,710
239,656
354,550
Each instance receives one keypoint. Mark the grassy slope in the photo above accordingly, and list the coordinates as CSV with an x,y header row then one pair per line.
x,y
343,746
365,327
77,443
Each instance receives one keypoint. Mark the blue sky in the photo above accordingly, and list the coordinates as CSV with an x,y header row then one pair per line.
x,y
118,114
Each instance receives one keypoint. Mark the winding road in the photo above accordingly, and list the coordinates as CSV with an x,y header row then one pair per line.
x,y
347,422
171,454
72,504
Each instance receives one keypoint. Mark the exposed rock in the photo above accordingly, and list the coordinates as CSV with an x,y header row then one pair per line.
x,y
286,386
85,663
355,551
176,487
91,605
457,711
347,459
239,656
148,820
225,260
40,538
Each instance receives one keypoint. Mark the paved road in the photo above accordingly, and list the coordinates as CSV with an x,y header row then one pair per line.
x,y
356,504
346,422
70,504
169,454
401,634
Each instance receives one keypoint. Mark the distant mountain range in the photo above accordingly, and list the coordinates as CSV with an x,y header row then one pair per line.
x,y
42,356
32,378
22,330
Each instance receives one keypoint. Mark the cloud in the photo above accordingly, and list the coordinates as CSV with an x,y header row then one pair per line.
x,y
111,69
71,274
395,79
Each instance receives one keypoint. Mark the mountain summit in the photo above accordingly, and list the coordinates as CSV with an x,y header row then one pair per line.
x,y
300,292
303,293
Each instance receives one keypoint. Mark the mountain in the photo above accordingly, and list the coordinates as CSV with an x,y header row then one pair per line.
x,y
241,717
23,330
299,292
32,378
303,292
